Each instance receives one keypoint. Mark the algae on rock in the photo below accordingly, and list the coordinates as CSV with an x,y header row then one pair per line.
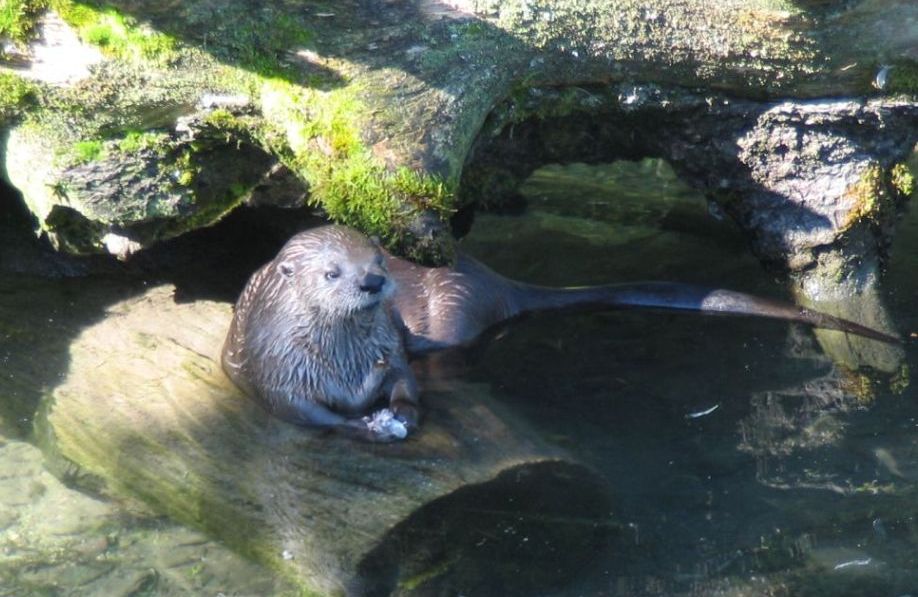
x,y
125,194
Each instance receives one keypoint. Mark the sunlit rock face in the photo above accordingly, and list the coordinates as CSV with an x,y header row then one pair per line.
x,y
57,56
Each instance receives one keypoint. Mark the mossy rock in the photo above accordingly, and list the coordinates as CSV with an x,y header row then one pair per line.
x,y
377,107
123,194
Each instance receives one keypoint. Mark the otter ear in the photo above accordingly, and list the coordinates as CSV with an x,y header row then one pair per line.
x,y
285,268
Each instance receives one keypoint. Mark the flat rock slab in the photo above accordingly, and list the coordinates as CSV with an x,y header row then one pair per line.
x,y
146,410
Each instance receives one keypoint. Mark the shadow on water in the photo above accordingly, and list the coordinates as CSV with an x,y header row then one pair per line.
x,y
487,543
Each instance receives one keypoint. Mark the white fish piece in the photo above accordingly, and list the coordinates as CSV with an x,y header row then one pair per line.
x,y
384,422
850,563
702,413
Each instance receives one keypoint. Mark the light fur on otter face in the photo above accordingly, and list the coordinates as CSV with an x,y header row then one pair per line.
x,y
313,330
325,267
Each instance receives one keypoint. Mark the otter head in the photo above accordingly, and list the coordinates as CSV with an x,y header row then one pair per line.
x,y
336,270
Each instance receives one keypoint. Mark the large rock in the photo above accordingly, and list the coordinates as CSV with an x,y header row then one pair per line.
x,y
817,185
135,191
147,412
375,106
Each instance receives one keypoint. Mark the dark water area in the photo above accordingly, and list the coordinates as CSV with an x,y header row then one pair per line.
x,y
742,458
739,458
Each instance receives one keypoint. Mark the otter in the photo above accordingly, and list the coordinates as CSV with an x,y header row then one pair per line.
x,y
325,329
314,338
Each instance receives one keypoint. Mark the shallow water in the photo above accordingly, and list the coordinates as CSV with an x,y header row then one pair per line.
x,y
739,458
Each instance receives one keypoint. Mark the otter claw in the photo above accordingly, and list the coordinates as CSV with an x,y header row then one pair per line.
x,y
407,415
385,426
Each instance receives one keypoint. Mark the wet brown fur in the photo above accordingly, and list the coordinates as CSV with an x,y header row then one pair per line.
x,y
318,350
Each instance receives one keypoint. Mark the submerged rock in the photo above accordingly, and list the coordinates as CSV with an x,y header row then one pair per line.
x,y
146,411
54,539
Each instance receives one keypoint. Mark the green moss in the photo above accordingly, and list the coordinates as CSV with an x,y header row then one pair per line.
x,y
246,129
187,171
364,194
115,34
316,134
902,179
16,96
422,190
900,381
320,134
237,189
472,29
868,194
18,19
528,100
260,41
224,119
878,195
135,141
83,152
316,131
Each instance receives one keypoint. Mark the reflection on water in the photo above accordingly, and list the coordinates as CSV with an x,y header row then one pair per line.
x,y
740,457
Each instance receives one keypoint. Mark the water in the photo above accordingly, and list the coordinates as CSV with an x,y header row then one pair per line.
x,y
797,478
738,457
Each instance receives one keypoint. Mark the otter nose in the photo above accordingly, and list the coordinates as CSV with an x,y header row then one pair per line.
x,y
372,283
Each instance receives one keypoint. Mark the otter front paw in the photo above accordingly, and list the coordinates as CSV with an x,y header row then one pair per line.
x,y
406,412
385,427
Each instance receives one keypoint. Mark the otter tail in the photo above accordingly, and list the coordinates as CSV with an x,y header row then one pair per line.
x,y
681,297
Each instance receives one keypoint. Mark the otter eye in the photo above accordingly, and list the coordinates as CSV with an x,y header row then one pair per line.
x,y
332,274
